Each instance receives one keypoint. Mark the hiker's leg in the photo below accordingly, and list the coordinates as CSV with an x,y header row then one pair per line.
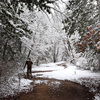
x,y
27,72
30,72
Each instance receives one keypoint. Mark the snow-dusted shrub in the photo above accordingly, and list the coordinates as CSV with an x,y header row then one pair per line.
x,y
82,63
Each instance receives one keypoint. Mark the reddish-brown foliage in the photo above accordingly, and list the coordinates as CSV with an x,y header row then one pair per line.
x,y
92,37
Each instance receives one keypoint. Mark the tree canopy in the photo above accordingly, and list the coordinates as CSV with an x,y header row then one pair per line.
x,y
12,27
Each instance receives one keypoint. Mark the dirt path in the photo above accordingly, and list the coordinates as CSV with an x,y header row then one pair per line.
x,y
52,89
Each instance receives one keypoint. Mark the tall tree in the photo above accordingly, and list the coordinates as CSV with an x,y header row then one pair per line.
x,y
12,28
79,15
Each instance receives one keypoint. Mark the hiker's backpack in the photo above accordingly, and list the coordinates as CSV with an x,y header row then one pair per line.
x,y
29,63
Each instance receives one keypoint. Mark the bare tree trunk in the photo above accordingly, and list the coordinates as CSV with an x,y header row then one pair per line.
x,y
66,50
5,48
69,47
55,53
29,53
98,4
37,61
99,12
99,9
27,57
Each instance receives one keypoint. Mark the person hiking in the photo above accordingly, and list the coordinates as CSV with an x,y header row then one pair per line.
x,y
29,67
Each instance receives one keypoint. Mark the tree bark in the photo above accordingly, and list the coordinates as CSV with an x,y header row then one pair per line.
x,y
98,4
4,51
27,58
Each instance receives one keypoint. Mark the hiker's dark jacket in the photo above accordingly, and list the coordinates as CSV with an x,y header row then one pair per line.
x,y
29,63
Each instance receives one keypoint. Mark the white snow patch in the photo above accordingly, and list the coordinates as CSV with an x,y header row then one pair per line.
x,y
70,73
40,81
97,97
47,67
14,86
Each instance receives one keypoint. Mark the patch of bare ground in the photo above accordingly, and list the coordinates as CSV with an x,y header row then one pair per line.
x,y
66,90
41,71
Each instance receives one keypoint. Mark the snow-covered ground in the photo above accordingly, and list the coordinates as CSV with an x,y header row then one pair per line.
x,y
52,70
70,72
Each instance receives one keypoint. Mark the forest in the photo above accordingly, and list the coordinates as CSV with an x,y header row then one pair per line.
x,y
62,39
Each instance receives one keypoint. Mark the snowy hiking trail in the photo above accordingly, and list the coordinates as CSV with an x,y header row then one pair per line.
x,y
66,91
54,89
51,82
